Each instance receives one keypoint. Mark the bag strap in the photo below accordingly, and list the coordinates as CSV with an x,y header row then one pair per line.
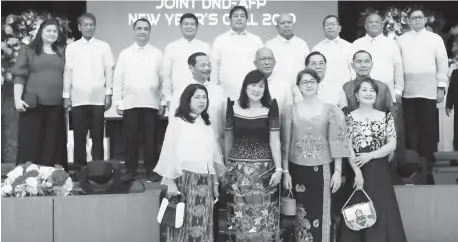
x,y
345,205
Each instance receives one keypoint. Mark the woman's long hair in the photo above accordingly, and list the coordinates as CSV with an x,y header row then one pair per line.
x,y
254,77
37,43
184,111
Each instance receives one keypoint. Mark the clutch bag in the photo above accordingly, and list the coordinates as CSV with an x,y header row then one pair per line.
x,y
30,98
171,212
361,215
266,176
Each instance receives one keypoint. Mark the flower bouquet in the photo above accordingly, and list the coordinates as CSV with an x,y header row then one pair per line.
x,y
31,180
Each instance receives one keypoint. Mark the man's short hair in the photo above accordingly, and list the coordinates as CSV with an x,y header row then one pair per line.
x,y
415,9
331,16
87,15
361,51
141,20
307,59
238,8
189,15
192,60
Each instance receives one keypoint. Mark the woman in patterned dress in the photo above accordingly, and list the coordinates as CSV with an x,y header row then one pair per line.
x,y
190,163
372,137
252,145
313,144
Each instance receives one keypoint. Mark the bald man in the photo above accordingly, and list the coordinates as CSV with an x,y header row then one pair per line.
x,y
279,89
289,49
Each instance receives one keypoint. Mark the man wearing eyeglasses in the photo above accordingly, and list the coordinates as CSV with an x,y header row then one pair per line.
x,y
424,57
280,90
338,53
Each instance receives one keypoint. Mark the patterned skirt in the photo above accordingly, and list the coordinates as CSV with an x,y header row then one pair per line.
x,y
311,189
198,219
252,205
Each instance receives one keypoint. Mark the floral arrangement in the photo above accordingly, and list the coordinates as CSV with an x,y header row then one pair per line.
x,y
21,29
395,22
30,180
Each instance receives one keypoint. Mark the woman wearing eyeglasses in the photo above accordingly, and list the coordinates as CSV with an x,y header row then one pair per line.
x,y
313,144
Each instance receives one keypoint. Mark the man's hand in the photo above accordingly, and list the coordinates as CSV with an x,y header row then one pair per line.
x,y
448,111
440,95
67,103
107,102
398,98
162,110
119,111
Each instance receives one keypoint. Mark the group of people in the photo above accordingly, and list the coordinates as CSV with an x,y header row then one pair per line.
x,y
256,118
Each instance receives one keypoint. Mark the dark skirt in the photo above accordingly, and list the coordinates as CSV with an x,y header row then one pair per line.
x,y
311,189
252,205
198,219
379,187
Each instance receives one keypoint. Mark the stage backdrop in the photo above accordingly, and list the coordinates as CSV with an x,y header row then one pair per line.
x,y
114,20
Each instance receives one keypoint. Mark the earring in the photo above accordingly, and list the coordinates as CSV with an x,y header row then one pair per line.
x,y
357,100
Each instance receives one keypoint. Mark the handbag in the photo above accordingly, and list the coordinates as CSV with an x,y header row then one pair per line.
x,y
288,204
361,215
171,212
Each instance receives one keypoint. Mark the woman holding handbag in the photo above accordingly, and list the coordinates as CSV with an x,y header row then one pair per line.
x,y
190,163
372,136
313,144
38,86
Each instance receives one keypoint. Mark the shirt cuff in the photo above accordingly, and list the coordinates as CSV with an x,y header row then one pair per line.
x,y
163,103
108,92
65,95
442,80
398,92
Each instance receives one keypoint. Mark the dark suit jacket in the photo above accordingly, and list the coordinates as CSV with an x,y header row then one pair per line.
x,y
384,101
452,93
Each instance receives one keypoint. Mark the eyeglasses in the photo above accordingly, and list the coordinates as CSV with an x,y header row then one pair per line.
x,y
305,83
331,25
416,18
264,59
314,65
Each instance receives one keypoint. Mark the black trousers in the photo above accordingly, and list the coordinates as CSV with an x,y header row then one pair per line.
x,y
421,126
42,136
455,129
136,122
87,118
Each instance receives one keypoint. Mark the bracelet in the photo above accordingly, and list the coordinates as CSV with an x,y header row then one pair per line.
x,y
285,171
279,169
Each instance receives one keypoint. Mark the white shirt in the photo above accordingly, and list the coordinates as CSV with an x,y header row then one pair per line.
x,y
339,54
175,66
137,77
282,91
191,147
217,101
290,57
87,62
386,59
232,58
425,63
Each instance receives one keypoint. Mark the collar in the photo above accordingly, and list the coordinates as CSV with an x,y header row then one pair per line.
x,y
376,38
206,83
138,47
336,40
84,41
286,41
233,32
421,32
188,41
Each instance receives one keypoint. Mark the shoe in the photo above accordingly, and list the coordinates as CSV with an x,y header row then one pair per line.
x,y
454,163
128,177
153,177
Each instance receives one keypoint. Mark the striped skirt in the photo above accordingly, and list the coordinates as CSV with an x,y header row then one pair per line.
x,y
198,219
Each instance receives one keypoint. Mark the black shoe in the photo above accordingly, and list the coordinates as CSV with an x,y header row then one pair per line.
x,y
153,177
128,177
454,163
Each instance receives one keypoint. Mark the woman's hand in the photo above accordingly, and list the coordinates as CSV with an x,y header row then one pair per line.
x,y
362,159
215,190
275,179
336,181
359,181
20,105
172,189
287,183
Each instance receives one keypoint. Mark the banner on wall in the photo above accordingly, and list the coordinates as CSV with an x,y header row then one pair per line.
x,y
115,19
